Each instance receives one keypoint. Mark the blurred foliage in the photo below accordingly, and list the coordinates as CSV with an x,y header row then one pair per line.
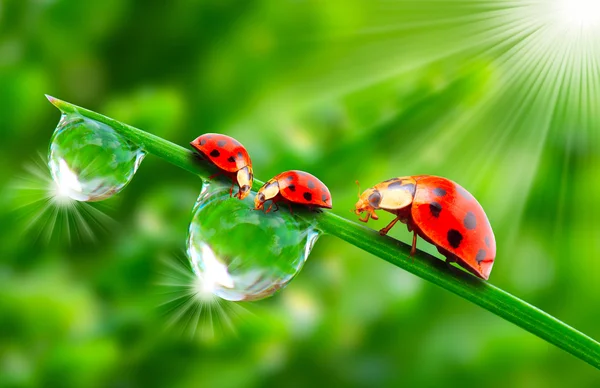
x,y
347,90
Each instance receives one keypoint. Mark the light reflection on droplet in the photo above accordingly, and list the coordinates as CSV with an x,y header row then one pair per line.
x,y
242,254
69,185
89,160
212,268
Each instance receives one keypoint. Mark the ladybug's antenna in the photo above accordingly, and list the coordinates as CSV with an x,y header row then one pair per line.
x,y
358,184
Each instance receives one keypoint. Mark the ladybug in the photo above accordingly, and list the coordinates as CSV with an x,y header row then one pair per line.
x,y
230,156
293,187
441,212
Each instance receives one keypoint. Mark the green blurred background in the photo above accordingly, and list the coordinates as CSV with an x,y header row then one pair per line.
x,y
499,96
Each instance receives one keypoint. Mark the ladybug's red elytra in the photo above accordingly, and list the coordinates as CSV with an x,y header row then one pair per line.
x,y
441,212
230,156
293,187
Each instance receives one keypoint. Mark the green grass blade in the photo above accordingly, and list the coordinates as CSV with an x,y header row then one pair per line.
x,y
395,252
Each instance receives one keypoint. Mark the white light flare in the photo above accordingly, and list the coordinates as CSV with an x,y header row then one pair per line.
x,y
583,14
191,303
48,207
67,183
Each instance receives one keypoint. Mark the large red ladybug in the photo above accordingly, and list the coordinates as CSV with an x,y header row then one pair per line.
x,y
441,212
230,156
293,187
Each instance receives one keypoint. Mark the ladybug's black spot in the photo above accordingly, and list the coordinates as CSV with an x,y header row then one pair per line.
x,y
470,221
221,143
454,238
399,185
375,199
215,153
310,184
439,191
231,159
292,187
480,256
410,187
324,198
202,142
487,241
435,209
307,196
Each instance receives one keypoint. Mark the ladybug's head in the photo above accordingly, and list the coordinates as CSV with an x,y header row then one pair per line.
x,y
267,192
244,180
259,200
368,202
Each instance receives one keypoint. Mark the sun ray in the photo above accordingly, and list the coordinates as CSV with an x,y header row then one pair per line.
x,y
191,306
536,151
453,133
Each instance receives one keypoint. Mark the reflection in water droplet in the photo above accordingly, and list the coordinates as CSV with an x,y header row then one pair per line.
x,y
89,160
242,254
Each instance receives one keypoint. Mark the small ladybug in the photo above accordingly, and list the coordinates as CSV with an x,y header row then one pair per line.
x,y
293,187
441,212
230,156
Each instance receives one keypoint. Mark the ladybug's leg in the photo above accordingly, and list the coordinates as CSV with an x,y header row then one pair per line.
x,y
216,174
385,230
269,208
273,203
413,250
290,207
239,193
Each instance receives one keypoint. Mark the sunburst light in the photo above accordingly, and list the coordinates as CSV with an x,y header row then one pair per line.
x,y
48,210
189,302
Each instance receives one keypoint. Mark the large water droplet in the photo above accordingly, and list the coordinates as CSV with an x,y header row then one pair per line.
x,y
239,253
89,160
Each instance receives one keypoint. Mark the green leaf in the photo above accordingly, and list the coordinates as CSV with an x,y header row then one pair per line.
x,y
395,252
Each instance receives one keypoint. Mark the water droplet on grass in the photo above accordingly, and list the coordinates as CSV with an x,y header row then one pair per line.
x,y
89,160
239,253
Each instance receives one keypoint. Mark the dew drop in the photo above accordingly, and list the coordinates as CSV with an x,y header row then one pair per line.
x,y
89,160
241,254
